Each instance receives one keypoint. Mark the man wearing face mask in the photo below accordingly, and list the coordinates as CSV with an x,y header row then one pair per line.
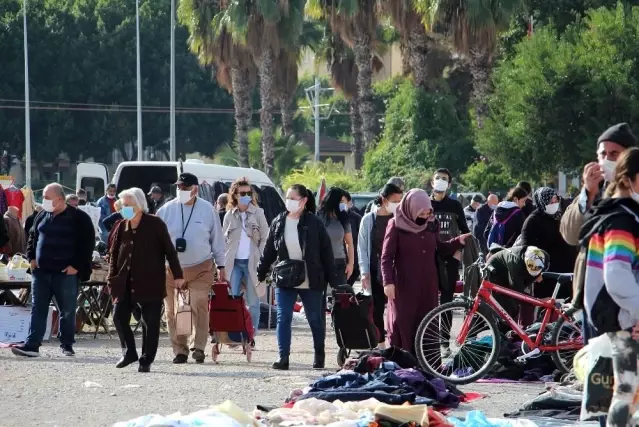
x,y
60,249
107,207
596,175
196,232
481,220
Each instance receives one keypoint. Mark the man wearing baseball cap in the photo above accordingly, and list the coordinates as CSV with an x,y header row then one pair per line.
x,y
196,232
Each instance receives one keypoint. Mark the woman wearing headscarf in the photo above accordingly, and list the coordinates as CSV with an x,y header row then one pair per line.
x,y
409,269
541,229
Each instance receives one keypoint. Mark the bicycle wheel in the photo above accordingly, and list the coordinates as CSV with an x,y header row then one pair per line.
x,y
566,332
473,359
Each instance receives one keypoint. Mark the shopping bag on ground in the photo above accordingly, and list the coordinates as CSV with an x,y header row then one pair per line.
x,y
183,314
598,384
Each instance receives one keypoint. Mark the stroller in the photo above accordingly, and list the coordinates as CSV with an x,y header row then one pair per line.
x,y
229,321
352,316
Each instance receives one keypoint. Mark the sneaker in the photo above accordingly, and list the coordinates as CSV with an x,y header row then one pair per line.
x,y
67,350
198,356
180,359
25,351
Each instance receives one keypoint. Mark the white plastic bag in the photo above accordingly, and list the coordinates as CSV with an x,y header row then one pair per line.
x,y
598,379
183,314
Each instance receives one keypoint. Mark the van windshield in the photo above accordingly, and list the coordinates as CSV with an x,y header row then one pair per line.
x,y
145,177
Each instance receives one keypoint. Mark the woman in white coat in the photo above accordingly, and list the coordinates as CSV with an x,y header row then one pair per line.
x,y
245,232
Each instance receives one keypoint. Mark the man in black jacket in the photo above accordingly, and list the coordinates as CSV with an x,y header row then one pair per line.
x,y
60,249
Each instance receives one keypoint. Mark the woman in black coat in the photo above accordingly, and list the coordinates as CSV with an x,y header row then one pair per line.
x,y
541,229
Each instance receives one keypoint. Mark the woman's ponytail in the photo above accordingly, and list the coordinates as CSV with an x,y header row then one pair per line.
x,y
304,192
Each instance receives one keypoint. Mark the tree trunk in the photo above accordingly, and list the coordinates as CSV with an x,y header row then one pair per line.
x,y
480,67
356,131
403,49
267,82
362,51
418,48
243,112
287,115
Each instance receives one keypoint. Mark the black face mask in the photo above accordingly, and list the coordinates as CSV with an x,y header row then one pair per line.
x,y
420,221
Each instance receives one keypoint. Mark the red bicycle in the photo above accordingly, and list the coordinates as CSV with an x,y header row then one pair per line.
x,y
478,339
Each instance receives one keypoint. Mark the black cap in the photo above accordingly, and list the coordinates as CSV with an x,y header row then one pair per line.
x,y
619,134
155,190
477,198
187,180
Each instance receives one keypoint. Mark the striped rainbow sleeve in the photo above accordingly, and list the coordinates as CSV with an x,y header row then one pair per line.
x,y
619,245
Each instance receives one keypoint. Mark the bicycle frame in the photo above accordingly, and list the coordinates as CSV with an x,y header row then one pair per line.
x,y
485,294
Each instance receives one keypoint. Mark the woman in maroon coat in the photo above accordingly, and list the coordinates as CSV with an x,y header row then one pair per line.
x,y
409,269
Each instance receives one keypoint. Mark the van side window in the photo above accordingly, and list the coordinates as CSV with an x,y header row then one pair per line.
x,y
94,188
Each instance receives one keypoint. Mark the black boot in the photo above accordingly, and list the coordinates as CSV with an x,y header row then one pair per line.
x,y
281,365
126,360
318,361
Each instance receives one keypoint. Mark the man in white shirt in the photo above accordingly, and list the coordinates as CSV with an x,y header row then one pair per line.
x,y
196,232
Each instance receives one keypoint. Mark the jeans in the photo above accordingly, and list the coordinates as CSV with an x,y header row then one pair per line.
x,y
151,316
45,286
313,301
241,271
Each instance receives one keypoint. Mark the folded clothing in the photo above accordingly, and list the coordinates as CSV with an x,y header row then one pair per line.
x,y
403,413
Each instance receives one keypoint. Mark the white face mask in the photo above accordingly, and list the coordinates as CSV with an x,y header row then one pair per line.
x,y
552,208
392,207
608,167
293,206
47,205
440,185
184,196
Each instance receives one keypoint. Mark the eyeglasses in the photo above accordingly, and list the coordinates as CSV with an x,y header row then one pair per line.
x,y
245,193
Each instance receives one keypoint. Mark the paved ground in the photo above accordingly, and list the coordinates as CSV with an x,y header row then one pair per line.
x,y
52,390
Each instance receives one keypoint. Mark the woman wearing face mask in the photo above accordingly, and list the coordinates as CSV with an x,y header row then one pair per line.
x,y
141,246
611,287
510,216
541,229
300,251
245,231
369,248
409,268
333,213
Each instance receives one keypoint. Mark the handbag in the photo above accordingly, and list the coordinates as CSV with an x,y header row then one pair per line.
x,y
183,315
290,273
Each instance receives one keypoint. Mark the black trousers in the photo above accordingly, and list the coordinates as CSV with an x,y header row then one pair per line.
x,y
151,314
379,301
446,295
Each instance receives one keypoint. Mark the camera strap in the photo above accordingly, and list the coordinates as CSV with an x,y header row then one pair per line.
x,y
188,221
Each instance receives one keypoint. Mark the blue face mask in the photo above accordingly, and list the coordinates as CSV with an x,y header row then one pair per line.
x,y
245,200
127,212
343,207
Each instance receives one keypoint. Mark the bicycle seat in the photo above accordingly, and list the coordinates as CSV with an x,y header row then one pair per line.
x,y
559,277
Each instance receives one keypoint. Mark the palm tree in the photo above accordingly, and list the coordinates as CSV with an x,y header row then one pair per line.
x,y
265,27
474,26
356,23
234,67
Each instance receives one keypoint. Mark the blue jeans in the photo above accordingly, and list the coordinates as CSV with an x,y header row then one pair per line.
x,y
313,308
64,288
241,271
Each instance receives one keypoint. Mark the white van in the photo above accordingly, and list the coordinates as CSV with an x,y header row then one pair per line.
x,y
93,177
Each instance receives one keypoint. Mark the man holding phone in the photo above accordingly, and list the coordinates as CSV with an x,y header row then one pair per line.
x,y
196,232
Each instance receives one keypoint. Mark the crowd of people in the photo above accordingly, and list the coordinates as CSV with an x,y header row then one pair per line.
x,y
408,249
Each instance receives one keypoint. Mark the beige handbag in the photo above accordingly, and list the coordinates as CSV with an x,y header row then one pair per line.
x,y
183,314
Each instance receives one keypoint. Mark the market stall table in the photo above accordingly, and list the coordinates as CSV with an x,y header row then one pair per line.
x,y
7,297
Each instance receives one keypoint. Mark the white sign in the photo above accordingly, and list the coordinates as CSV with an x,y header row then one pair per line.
x,y
94,214
15,322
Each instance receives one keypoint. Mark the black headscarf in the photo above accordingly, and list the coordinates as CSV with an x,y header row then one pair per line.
x,y
542,198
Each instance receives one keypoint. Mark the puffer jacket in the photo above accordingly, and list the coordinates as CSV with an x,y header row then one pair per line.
x,y
318,255
514,224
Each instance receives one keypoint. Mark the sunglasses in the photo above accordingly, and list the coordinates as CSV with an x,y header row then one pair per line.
x,y
245,193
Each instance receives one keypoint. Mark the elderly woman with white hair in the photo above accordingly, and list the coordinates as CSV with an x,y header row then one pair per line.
x,y
139,249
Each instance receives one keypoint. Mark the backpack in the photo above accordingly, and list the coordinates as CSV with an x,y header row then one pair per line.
x,y
579,278
498,229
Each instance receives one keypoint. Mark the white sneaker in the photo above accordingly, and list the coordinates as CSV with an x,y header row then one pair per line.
x,y
382,345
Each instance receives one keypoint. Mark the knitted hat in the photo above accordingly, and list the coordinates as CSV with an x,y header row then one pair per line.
x,y
619,134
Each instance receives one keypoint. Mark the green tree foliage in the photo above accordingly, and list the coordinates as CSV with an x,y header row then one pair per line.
x,y
484,177
423,131
311,176
83,52
558,93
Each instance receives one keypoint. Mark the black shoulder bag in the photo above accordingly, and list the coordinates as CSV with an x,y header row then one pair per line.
x,y
291,273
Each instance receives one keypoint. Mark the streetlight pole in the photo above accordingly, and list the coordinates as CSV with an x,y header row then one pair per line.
x,y
27,105
138,79
172,108
313,94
